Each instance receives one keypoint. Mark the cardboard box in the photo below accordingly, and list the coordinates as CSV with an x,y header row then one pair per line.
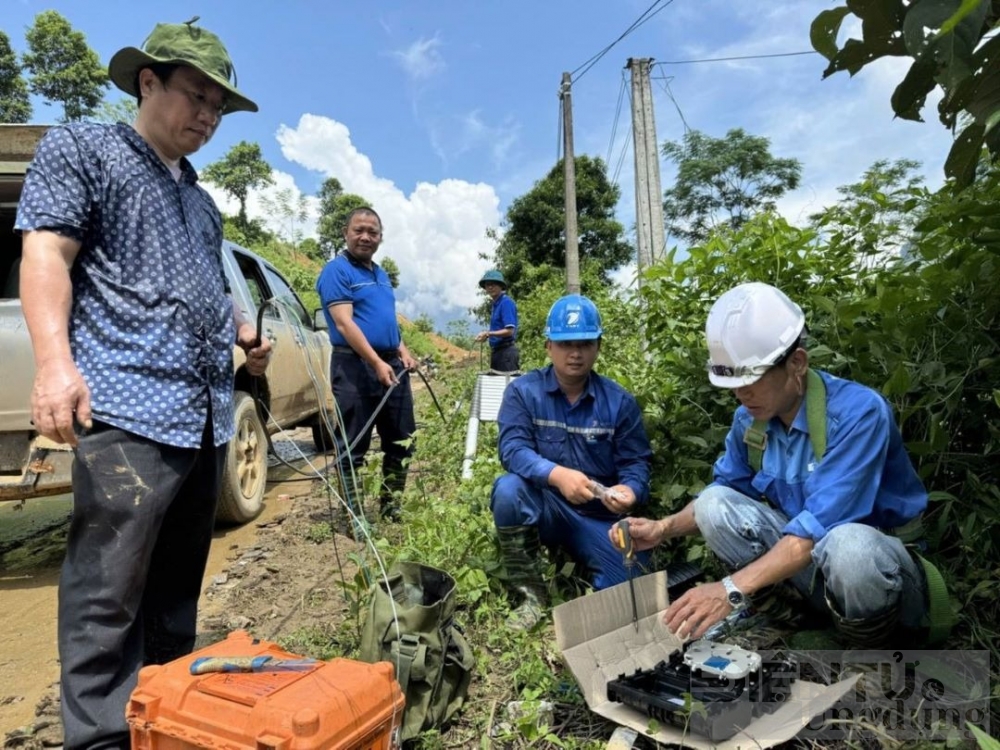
x,y
599,642
342,704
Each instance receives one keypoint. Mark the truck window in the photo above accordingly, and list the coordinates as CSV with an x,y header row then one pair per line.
x,y
250,271
281,289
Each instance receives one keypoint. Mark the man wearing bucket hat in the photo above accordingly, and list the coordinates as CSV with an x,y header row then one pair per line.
x,y
815,490
132,327
504,356
577,454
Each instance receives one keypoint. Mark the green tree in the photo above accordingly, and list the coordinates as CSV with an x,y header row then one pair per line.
x,y
878,213
63,67
289,211
241,170
533,246
334,207
459,332
123,110
946,41
15,106
310,248
424,323
723,182
391,270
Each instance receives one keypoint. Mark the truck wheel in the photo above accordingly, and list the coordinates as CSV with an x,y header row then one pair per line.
x,y
245,477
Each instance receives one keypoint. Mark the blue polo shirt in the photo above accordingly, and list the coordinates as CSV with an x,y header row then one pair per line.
x,y
601,434
151,326
344,280
503,315
865,476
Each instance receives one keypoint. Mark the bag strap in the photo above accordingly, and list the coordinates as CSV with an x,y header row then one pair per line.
x,y
406,651
755,436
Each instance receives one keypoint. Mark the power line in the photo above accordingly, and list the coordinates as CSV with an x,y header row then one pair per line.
x,y
625,144
614,128
665,83
740,57
647,15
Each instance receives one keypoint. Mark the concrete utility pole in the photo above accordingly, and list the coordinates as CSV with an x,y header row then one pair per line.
x,y
569,173
648,193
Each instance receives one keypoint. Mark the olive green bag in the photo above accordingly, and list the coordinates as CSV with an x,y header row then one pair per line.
x,y
410,624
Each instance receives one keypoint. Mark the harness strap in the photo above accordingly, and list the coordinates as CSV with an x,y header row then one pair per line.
x,y
939,619
755,436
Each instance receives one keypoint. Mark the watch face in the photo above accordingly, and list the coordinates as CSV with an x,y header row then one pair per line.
x,y
735,598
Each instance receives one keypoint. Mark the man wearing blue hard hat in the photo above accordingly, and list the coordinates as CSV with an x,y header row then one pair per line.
x,y
578,458
504,356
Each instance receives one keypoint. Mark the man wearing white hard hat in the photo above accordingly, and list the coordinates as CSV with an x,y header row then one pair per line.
x,y
813,484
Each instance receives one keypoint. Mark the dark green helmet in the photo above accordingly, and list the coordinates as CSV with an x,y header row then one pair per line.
x,y
495,276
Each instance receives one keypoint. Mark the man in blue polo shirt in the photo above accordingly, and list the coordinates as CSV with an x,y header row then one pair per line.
x,y
369,356
778,512
504,356
564,428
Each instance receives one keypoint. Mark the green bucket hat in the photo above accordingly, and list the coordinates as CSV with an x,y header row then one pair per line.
x,y
181,44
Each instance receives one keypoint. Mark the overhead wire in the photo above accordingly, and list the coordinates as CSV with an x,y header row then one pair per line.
x,y
614,127
735,58
648,14
665,84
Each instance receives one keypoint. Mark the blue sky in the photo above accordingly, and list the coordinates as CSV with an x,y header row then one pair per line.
x,y
442,112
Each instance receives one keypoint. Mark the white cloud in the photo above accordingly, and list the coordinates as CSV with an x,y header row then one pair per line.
x,y
435,234
422,59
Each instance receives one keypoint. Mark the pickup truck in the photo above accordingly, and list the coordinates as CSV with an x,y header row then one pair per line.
x,y
294,391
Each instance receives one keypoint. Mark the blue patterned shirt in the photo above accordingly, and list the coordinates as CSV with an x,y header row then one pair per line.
x,y
151,326
865,475
601,434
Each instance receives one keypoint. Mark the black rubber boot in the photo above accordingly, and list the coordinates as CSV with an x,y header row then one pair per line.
x,y
521,549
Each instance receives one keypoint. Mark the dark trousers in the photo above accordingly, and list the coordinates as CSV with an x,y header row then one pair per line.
x,y
143,514
358,394
505,358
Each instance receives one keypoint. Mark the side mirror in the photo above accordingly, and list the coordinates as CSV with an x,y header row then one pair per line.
x,y
319,320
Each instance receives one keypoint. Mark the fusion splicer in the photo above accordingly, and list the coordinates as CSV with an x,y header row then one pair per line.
x,y
733,686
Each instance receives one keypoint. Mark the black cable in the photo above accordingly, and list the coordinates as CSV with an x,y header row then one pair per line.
x,y
739,57
646,16
614,127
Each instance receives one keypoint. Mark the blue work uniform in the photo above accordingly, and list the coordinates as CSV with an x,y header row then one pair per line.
x,y
865,476
864,485
601,435
504,355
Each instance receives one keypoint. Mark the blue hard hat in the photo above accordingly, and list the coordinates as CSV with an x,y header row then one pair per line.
x,y
495,276
573,318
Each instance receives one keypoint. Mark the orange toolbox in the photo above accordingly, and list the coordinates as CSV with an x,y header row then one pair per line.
x,y
341,703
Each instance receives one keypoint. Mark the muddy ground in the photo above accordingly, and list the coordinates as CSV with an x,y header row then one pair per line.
x,y
278,576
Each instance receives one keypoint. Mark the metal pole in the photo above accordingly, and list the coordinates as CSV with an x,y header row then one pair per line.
x,y
569,172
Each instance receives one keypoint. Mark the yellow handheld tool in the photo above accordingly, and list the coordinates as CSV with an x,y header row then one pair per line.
x,y
623,540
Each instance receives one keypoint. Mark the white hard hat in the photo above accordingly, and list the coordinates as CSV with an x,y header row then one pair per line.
x,y
748,329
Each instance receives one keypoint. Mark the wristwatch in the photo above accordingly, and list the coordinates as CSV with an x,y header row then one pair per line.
x,y
736,598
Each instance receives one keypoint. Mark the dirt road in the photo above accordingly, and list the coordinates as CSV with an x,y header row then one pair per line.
x,y
32,539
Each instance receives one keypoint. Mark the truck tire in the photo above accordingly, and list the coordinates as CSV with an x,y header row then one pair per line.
x,y
245,477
